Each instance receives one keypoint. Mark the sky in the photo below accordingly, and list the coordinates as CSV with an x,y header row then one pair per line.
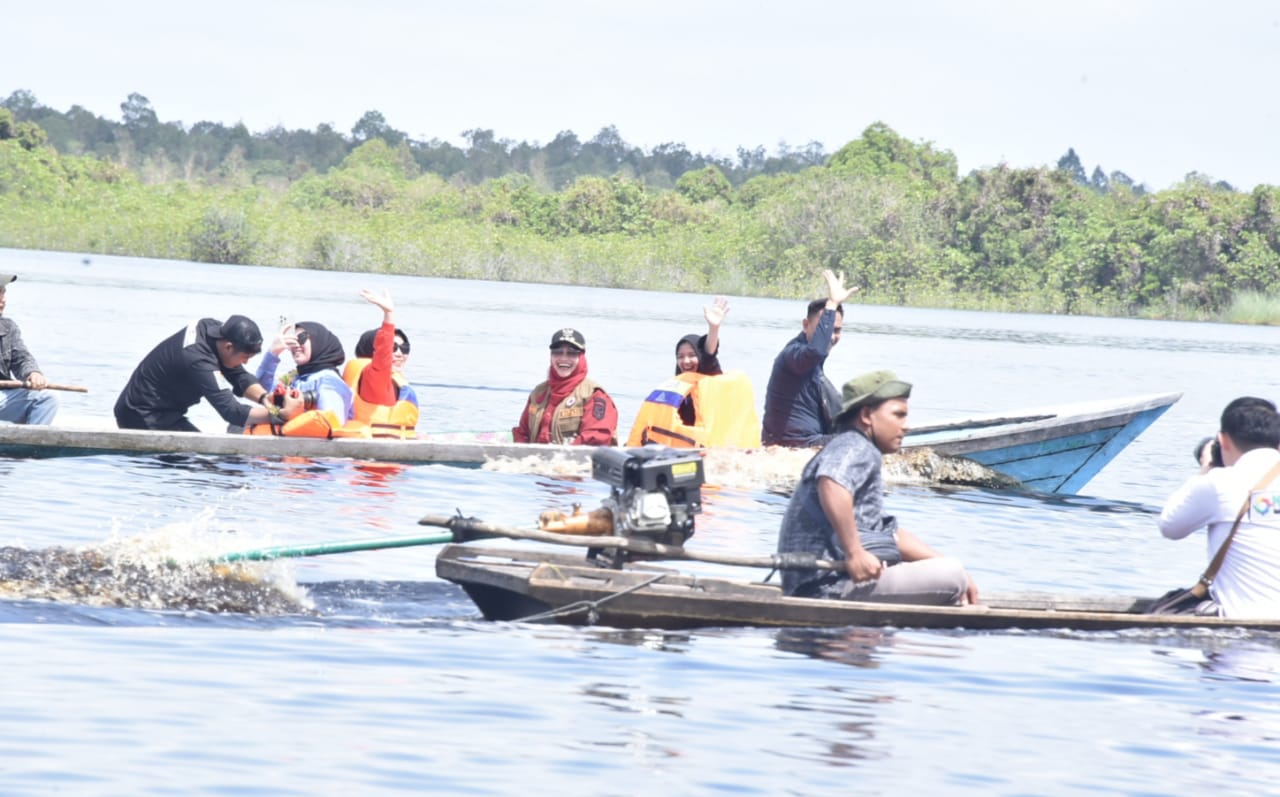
x,y
1154,89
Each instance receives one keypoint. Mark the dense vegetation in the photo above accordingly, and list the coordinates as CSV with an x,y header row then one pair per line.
x,y
895,215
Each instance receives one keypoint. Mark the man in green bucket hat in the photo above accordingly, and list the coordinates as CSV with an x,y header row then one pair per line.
x,y
837,511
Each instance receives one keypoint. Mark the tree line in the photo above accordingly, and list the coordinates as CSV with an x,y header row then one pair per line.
x,y
894,214
168,150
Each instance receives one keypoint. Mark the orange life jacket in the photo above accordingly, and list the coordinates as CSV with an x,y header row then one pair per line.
x,y
312,423
376,420
723,406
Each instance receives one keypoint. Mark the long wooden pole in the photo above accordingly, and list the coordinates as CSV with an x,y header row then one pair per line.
x,y
470,529
463,529
11,384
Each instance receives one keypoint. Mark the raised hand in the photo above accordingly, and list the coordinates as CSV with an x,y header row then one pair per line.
x,y
286,338
383,301
716,311
836,291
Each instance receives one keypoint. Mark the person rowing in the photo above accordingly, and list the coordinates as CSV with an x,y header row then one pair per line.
x,y
837,511
31,403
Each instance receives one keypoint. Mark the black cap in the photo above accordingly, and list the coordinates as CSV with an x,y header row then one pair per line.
x,y
243,334
571,336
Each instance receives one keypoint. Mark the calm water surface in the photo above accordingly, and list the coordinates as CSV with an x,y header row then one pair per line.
x,y
387,683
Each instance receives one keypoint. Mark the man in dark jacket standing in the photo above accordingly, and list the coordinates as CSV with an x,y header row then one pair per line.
x,y
800,403
31,404
186,367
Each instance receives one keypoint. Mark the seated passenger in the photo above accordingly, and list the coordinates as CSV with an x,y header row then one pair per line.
x,y
837,512
702,405
700,353
317,355
378,367
385,405
568,407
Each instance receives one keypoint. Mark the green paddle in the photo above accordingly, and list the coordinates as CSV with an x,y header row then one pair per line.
x,y
325,548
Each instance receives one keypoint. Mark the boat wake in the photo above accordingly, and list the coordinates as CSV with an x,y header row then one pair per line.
x,y
116,576
776,469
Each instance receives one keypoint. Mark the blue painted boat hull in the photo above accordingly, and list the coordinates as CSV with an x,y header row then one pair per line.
x,y
1053,450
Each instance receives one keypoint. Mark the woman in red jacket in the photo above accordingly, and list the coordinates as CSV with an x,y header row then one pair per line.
x,y
569,407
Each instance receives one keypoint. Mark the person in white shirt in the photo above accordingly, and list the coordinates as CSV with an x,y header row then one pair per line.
x,y
1248,583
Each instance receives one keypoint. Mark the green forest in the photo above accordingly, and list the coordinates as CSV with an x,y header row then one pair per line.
x,y
894,215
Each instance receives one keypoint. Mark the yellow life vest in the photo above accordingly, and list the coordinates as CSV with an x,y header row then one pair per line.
x,y
566,421
723,406
376,420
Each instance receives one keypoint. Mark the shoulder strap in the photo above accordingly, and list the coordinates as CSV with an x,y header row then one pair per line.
x,y
1212,570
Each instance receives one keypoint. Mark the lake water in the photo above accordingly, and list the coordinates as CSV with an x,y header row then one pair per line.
x,y
388,683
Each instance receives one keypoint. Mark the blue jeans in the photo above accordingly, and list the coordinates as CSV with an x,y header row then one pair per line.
x,y
35,407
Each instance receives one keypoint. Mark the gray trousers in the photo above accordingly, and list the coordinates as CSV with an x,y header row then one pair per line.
x,y
940,581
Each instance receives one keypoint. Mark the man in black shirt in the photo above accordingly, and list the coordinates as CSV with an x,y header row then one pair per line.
x,y
185,367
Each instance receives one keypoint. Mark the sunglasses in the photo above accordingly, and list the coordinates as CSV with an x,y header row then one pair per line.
x,y
303,336
403,348
566,352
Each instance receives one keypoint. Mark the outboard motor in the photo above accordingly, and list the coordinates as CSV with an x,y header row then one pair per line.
x,y
655,491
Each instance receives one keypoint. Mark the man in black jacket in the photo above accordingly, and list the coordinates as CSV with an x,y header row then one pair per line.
x,y
31,404
800,402
186,367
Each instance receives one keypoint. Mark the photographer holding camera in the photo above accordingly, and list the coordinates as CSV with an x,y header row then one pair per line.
x,y
1238,498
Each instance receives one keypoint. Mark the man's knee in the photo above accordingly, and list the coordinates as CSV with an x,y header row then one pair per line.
x,y
44,405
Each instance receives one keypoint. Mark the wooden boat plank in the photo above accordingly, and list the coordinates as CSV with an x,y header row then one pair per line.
x,y
519,583
1055,449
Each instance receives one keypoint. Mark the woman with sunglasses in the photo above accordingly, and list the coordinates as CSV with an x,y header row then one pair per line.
x,y
377,372
317,356
569,407
385,403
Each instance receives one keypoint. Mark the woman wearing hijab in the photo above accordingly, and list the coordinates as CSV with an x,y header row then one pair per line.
x,y
380,358
317,355
701,405
700,353
569,407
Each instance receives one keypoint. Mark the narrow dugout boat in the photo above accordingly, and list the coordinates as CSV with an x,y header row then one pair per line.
x,y
537,585
1052,449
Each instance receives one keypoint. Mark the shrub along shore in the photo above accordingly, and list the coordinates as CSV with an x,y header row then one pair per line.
x,y
895,216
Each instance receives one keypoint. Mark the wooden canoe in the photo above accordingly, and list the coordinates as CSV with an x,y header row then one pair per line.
x,y
1052,449
528,584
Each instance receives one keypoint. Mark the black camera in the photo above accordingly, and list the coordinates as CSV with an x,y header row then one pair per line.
x,y
308,399
1215,452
